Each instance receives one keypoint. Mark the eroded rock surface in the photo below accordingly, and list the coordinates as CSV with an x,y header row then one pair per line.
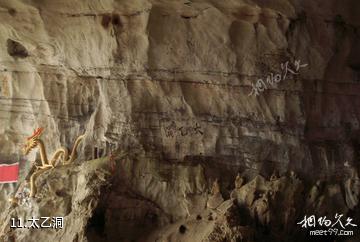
x,y
169,82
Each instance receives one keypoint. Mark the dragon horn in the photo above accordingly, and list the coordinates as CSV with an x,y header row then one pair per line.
x,y
37,133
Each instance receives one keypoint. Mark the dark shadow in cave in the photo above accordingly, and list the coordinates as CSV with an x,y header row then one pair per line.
x,y
16,49
96,226
95,230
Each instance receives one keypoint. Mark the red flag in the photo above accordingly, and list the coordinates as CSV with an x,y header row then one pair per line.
x,y
9,173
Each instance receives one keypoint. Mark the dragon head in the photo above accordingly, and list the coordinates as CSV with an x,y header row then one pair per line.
x,y
32,141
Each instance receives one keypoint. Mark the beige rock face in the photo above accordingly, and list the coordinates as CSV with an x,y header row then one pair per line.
x,y
169,82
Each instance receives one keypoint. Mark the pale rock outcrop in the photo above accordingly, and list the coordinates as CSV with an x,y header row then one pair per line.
x,y
169,82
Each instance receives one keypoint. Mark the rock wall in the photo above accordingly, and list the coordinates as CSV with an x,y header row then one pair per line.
x,y
170,81
174,78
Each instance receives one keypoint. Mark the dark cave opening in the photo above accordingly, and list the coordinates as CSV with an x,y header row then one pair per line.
x,y
15,49
95,230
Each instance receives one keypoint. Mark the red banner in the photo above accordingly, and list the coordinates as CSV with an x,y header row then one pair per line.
x,y
9,173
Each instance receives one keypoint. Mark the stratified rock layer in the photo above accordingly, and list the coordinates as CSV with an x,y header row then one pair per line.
x,y
169,81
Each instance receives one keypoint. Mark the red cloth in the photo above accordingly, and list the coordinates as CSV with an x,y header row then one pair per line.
x,y
9,173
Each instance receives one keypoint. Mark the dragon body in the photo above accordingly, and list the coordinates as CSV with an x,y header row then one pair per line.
x,y
61,154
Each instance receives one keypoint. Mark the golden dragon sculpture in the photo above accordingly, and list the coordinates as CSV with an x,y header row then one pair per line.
x,y
61,153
